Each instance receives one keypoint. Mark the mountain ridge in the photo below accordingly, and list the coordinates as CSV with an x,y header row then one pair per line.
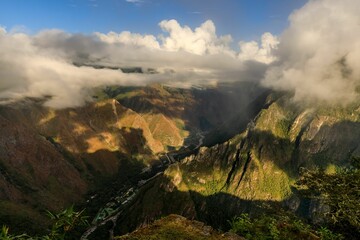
x,y
51,158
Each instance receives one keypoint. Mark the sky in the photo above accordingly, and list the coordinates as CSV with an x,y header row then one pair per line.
x,y
54,48
243,19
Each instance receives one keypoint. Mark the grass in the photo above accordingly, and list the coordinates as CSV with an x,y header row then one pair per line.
x,y
279,227
340,113
276,119
173,227
263,180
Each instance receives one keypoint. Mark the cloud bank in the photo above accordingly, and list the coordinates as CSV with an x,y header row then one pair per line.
x,y
61,65
319,54
317,58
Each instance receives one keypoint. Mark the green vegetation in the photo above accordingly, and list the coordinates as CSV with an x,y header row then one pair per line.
x,y
276,184
277,120
340,191
279,227
174,227
67,225
116,92
350,113
212,187
336,189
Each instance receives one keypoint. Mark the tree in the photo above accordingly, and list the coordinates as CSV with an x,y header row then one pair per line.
x,y
340,191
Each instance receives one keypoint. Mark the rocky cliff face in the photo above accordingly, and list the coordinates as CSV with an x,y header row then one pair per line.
x,y
262,162
257,168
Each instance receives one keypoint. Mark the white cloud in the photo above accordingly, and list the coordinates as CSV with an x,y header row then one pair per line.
x,y
27,70
43,64
202,40
2,30
265,53
318,58
129,38
319,54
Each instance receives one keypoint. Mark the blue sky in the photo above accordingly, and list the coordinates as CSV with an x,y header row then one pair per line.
x,y
243,19
320,34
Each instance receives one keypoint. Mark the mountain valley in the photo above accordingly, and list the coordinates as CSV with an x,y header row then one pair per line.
x,y
54,158
136,154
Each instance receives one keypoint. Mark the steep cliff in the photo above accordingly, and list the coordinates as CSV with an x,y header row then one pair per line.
x,y
255,171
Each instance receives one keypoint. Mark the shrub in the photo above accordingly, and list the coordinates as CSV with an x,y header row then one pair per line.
x,y
67,225
278,227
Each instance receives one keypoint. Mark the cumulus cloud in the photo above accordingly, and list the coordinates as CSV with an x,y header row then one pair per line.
x,y
64,66
2,30
129,38
264,53
203,40
319,54
317,58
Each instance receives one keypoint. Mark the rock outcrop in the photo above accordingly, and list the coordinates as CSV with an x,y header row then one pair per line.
x,y
175,227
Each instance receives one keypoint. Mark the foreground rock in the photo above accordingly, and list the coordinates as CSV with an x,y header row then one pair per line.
x,y
177,227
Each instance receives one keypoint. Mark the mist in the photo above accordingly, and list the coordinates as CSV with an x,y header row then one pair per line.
x,y
319,54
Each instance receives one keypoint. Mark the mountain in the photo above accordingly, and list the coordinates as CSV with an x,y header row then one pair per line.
x,y
116,155
52,158
255,171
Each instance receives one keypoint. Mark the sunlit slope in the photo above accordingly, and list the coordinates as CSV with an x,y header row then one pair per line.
x,y
258,167
175,227
261,163
50,158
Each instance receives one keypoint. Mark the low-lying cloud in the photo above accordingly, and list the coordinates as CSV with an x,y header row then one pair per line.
x,y
317,58
319,54
59,64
